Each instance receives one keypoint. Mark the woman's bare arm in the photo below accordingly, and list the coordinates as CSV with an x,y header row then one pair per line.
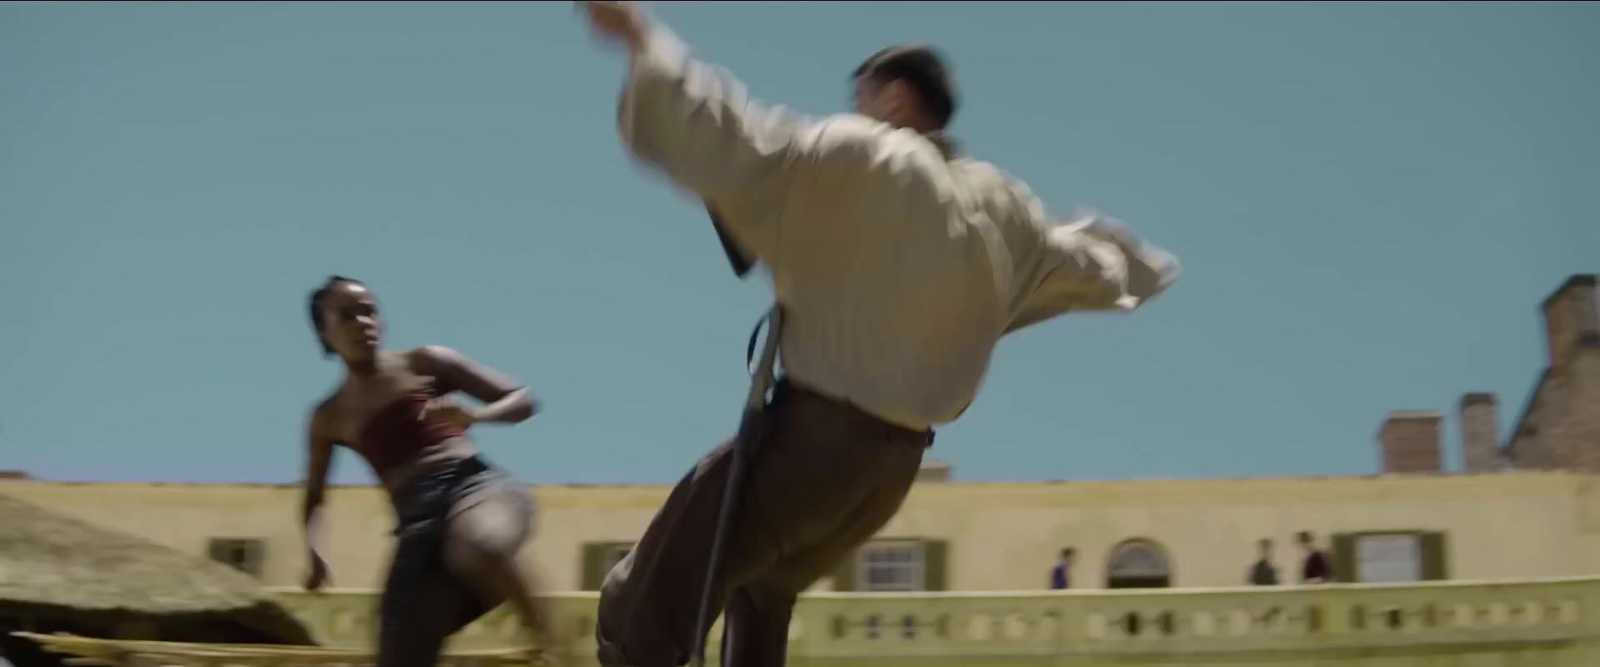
x,y
319,461
506,400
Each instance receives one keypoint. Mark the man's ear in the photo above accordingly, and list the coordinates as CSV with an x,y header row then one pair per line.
x,y
904,98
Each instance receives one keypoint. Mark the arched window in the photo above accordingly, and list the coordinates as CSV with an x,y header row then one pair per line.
x,y
1138,563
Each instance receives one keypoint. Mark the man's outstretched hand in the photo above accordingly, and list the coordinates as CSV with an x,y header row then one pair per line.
x,y
616,22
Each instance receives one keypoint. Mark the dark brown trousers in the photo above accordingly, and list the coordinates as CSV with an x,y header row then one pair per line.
x,y
825,479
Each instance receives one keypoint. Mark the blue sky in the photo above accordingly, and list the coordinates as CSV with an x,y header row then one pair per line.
x,y
1370,200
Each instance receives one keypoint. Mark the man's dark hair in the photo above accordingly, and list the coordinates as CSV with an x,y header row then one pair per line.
x,y
923,70
1304,537
1068,552
317,320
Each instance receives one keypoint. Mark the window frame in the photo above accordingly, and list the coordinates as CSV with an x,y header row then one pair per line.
x,y
253,552
1167,576
918,564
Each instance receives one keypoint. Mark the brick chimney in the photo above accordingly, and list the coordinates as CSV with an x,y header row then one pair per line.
x,y
1570,320
1410,443
1480,433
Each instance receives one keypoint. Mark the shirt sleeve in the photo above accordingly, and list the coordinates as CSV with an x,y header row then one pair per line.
x,y
1092,263
697,124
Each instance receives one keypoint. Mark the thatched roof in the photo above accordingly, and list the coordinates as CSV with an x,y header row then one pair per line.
x,y
52,561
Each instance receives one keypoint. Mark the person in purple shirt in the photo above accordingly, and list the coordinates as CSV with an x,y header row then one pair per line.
x,y
1061,574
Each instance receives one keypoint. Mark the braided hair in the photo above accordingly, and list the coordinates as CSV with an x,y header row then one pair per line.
x,y
318,298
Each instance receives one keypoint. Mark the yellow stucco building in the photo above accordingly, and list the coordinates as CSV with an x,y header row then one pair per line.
x,y
956,536
992,546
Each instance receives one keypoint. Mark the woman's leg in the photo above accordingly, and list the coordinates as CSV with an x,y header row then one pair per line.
x,y
481,548
420,607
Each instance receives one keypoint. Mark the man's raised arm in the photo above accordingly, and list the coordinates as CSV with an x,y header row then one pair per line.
x,y
697,124
1092,263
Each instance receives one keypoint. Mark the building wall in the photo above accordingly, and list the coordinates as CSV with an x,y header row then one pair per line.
x,y
1526,447
1580,424
1560,427
997,536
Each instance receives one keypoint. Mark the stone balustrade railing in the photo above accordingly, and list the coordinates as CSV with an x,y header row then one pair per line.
x,y
1557,621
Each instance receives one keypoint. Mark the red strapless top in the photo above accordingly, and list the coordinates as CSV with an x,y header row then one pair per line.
x,y
396,434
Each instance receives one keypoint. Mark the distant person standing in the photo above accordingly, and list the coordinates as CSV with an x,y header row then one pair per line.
x,y
1264,573
1061,574
1316,569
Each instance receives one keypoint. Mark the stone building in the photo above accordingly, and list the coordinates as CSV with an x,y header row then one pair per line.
x,y
1559,426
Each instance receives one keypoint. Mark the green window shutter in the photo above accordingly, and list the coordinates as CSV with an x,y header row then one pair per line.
x,y
935,565
1435,560
217,550
594,564
1343,560
844,578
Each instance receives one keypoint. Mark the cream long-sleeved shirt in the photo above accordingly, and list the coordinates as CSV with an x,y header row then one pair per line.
x,y
898,270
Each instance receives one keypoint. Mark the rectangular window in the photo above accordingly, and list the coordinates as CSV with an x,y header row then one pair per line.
x,y
1399,556
243,554
891,566
614,555
1386,559
598,559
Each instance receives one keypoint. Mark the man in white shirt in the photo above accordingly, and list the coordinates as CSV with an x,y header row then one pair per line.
x,y
899,264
